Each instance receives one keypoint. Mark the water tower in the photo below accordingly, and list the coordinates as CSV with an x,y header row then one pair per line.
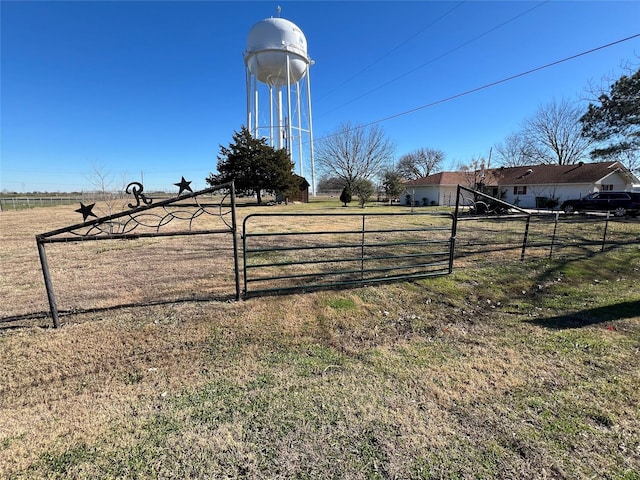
x,y
278,89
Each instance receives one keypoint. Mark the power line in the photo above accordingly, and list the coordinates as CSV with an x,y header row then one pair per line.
x,y
492,84
435,59
397,47
513,77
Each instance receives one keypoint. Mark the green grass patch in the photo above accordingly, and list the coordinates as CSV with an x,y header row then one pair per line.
x,y
496,371
342,303
62,464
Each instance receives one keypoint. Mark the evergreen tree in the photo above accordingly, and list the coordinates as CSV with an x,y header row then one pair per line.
x,y
615,122
254,166
345,196
392,184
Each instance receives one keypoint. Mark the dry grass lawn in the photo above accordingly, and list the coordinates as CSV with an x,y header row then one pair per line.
x,y
504,369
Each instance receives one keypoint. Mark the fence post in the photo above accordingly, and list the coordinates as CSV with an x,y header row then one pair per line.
x,y
47,283
362,250
604,235
234,232
452,242
526,237
553,238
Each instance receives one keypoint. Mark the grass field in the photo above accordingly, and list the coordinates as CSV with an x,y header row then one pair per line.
x,y
503,369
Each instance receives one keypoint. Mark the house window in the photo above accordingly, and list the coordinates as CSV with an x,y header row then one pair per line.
x,y
520,190
607,188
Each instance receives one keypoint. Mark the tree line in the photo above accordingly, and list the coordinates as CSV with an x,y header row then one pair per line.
x,y
357,160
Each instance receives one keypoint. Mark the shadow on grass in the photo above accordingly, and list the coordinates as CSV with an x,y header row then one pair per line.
x,y
9,322
591,316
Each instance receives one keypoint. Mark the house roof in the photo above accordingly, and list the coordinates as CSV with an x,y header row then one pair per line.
x,y
302,182
442,178
527,175
556,174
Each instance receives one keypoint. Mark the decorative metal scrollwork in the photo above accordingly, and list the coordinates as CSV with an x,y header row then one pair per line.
x,y
147,220
148,216
136,190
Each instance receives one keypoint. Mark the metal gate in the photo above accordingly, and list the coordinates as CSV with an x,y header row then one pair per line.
x,y
328,250
148,218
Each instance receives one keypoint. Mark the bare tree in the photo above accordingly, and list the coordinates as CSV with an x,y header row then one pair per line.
x,y
515,151
420,163
473,173
554,133
105,187
354,152
100,179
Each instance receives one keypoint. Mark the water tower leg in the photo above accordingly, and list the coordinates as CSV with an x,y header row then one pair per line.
x,y
290,120
313,165
271,125
300,158
279,114
255,112
249,106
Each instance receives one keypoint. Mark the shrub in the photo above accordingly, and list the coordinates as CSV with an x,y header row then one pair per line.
x,y
345,196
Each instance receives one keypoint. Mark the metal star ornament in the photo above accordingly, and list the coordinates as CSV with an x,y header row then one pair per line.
x,y
86,211
183,185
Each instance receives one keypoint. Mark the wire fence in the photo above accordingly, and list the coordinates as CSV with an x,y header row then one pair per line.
x,y
21,202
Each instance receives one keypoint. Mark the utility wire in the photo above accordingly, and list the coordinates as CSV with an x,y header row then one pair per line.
x,y
435,59
489,85
397,47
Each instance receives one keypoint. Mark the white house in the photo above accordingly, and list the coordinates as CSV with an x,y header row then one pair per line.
x,y
528,187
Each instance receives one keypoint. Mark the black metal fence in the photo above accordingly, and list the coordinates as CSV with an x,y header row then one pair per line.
x,y
285,252
491,230
508,238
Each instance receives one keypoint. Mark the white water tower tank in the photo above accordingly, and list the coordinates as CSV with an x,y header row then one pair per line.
x,y
270,43
279,90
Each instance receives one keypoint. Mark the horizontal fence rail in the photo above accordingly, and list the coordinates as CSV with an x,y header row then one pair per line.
x,y
324,250
505,238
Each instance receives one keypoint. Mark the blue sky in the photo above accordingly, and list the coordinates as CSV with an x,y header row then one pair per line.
x,y
150,90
